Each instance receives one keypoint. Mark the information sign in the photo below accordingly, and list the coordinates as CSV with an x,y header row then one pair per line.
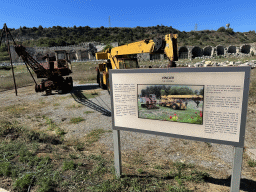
x,y
203,104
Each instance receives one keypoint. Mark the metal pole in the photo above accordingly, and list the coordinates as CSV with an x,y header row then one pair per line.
x,y
5,28
31,73
117,153
237,167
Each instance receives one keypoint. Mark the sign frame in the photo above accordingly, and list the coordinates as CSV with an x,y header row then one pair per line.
x,y
193,70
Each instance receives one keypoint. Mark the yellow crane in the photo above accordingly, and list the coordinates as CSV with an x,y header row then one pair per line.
x,y
121,57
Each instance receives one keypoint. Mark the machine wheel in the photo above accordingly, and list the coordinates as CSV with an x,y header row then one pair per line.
x,y
60,91
101,81
147,105
174,107
48,91
98,76
108,86
70,83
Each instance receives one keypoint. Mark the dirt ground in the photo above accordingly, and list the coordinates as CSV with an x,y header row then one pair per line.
x,y
32,110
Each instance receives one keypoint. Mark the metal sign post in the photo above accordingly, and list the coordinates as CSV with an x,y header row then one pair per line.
x,y
237,168
117,153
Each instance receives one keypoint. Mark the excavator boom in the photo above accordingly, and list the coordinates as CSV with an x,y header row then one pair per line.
x,y
31,62
53,71
119,57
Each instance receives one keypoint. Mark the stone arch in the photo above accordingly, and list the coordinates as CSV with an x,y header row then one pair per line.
x,y
246,49
220,50
207,51
183,53
197,52
232,49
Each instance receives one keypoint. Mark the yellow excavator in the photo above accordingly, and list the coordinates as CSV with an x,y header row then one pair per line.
x,y
122,57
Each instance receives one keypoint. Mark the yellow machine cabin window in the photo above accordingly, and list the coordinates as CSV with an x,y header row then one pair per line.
x,y
121,65
130,64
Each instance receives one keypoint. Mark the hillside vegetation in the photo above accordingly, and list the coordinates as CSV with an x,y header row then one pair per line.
x,y
61,36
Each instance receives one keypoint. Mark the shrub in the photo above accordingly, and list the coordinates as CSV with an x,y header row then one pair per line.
x,y
252,163
230,31
76,120
23,182
68,165
221,29
108,46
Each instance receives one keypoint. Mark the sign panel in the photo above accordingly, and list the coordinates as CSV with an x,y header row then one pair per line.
x,y
207,104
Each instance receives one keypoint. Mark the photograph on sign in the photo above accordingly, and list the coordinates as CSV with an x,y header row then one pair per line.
x,y
172,103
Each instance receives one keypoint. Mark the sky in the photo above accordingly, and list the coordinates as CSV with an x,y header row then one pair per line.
x,y
181,15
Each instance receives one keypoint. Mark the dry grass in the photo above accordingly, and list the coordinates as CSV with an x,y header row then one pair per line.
x,y
85,72
22,79
252,90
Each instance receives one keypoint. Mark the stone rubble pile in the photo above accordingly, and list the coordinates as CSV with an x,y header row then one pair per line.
x,y
203,63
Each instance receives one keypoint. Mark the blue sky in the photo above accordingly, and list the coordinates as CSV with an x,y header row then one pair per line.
x,y
181,15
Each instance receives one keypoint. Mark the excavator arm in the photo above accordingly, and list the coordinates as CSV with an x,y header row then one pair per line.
x,y
52,71
31,62
120,57
157,45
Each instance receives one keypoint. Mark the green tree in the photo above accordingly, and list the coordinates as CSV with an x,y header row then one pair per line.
x,y
108,46
163,92
143,93
230,31
201,92
221,29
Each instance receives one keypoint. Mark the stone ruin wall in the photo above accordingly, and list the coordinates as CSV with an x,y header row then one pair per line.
x,y
191,52
81,52
86,51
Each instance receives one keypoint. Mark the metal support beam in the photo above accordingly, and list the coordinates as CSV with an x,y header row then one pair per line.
x,y
237,167
117,153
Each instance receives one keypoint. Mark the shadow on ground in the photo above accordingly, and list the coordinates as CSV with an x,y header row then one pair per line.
x,y
85,87
80,98
74,89
245,184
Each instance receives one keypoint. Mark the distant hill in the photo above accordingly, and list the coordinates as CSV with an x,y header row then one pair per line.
x,y
60,36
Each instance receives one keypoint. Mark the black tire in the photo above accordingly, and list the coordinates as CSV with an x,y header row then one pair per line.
x,y
48,91
101,81
174,107
70,82
108,86
98,76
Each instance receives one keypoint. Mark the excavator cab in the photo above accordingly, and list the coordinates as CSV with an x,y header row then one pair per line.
x,y
61,55
128,63
62,58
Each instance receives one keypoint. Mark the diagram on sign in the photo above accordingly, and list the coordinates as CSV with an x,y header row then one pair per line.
x,y
173,103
